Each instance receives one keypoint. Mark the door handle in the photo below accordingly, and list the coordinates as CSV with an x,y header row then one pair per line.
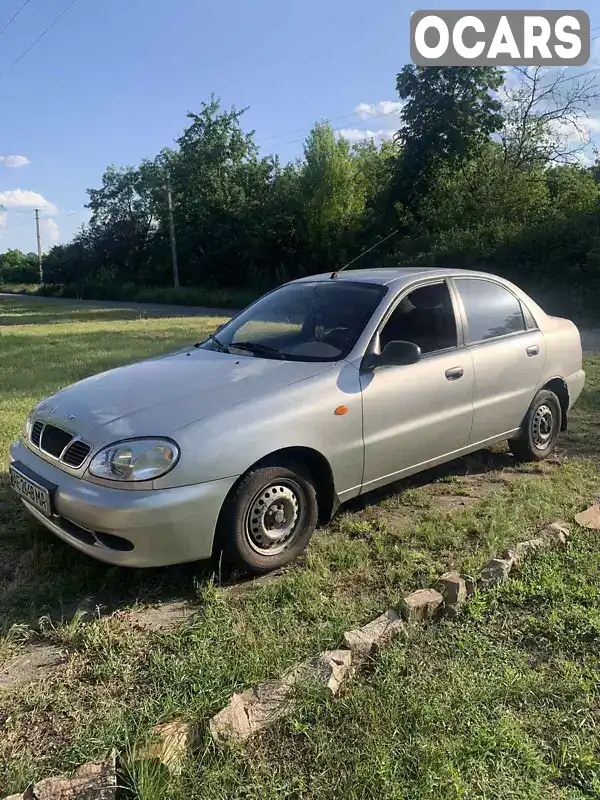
x,y
533,350
455,373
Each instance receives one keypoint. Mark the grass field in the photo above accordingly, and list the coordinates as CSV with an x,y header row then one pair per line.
x,y
503,704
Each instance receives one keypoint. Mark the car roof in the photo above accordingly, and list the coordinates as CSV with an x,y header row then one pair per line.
x,y
396,276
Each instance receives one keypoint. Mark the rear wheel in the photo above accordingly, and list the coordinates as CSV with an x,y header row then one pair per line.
x,y
269,518
541,427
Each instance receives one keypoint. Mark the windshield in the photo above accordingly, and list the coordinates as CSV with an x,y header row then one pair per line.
x,y
301,322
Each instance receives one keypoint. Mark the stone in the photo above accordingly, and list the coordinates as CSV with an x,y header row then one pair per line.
x,y
470,584
329,669
495,571
377,633
421,605
261,706
522,550
452,588
557,533
35,663
97,781
590,518
173,742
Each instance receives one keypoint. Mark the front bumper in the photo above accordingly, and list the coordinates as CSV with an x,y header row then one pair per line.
x,y
154,528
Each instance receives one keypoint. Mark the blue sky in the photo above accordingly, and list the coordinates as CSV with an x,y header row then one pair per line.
x,y
113,80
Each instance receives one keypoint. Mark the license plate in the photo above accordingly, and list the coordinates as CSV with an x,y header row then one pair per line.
x,y
31,491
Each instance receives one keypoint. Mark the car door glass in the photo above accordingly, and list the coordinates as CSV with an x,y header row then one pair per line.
x,y
490,308
529,318
426,317
302,321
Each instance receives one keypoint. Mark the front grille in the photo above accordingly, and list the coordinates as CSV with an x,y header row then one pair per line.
x,y
54,440
76,453
36,432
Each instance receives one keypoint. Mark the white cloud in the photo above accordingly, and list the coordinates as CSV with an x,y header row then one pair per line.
x,y
591,124
49,232
14,161
385,112
385,107
23,198
358,135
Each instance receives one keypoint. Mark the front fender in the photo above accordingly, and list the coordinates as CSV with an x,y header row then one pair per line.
x,y
227,443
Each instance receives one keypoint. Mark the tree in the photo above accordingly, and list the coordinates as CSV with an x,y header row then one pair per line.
x,y
129,207
449,114
18,267
544,116
218,182
333,193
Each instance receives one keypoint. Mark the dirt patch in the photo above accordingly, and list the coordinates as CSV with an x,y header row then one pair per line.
x,y
36,663
160,618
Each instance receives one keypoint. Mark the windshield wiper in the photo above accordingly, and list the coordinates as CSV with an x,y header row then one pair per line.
x,y
223,348
259,349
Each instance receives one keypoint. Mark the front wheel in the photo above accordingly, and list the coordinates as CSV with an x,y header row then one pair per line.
x,y
540,429
269,518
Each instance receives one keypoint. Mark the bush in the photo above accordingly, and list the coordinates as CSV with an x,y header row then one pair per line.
x,y
184,295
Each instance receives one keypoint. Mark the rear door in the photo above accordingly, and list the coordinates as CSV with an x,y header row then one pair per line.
x,y
508,351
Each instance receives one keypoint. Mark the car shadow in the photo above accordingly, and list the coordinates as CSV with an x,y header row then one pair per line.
x,y
474,464
43,578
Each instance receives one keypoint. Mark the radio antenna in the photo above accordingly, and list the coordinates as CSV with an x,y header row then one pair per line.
x,y
336,272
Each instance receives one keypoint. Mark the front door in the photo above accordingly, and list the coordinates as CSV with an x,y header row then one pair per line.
x,y
420,413
508,356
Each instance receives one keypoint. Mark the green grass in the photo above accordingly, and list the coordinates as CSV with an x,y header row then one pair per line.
x,y
121,681
504,704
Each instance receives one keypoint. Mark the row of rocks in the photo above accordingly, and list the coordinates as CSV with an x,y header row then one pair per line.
x,y
97,781
259,707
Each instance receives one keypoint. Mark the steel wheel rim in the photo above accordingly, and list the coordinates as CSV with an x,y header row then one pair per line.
x,y
272,521
542,427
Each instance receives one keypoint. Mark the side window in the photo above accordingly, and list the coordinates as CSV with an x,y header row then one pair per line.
x,y
491,309
425,317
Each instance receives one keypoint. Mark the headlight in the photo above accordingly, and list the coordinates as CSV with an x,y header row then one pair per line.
x,y
135,460
26,432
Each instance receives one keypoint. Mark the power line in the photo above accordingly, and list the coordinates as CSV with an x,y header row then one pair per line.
x,y
358,122
39,38
394,111
299,130
14,16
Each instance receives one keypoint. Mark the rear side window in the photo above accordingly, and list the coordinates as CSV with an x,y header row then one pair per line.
x,y
491,309
529,318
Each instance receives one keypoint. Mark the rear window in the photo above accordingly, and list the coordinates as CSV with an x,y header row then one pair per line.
x,y
491,309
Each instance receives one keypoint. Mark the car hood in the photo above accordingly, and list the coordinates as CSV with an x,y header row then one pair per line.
x,y
160,395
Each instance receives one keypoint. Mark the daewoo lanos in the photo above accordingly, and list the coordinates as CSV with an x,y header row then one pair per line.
x,y
325,388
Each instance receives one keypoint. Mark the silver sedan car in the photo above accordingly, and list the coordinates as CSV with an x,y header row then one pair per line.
x,y
325,388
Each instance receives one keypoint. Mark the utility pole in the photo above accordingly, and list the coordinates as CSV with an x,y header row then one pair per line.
x,y
172,231
39,243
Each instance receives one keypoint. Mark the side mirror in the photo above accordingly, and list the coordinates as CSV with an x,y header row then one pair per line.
x,y
394,354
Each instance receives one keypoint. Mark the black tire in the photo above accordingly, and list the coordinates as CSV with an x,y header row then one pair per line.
x,y
540,429
269,517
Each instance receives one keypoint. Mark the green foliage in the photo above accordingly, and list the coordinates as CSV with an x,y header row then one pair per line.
x,y
333,196
449,114
468,181
18,267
